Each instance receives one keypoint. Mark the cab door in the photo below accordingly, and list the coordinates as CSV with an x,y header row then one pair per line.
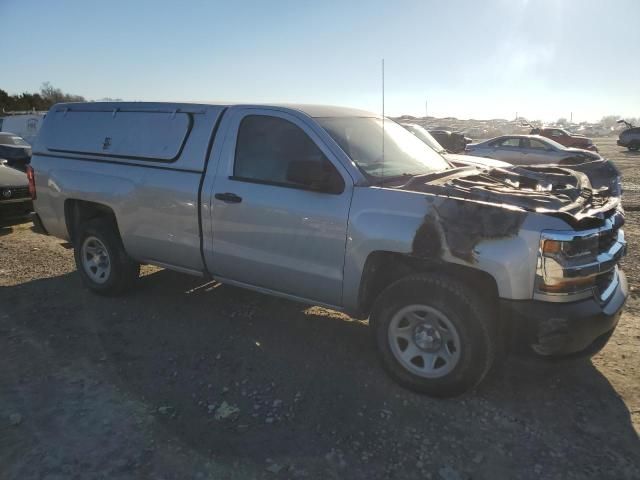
x,y
272,227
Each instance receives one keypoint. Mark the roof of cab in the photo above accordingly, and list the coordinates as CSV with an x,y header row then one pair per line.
x,y
311,110
328,110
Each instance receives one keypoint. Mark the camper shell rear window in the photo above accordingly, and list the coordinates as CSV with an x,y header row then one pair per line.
x,y
144,135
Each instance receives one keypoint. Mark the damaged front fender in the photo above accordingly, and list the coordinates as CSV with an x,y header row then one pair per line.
x,y
455,227
489,220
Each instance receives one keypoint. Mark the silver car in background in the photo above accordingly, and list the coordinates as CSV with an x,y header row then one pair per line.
x,y
529,150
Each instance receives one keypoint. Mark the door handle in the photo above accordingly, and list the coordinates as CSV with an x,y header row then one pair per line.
x,y
228,197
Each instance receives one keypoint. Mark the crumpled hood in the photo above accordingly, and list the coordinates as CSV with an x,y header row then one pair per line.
x,y
581,193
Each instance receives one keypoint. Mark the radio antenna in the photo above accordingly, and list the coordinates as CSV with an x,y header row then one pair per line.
x,y
382,180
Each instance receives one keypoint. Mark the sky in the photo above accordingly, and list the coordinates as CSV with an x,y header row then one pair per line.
x,y
541,59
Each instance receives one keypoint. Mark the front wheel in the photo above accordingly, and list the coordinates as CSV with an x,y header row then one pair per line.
x,y
634,147
101,260
434,334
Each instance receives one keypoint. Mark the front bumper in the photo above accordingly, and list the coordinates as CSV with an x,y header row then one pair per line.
x,y
13,211
559,329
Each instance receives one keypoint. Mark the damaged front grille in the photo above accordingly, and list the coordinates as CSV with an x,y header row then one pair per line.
x,y
606,239
609,234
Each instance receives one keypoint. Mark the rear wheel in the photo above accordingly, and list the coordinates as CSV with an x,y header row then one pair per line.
x,y
434,335
101,260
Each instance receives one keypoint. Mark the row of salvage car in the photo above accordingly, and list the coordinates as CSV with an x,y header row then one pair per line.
x,y
508,150
521,153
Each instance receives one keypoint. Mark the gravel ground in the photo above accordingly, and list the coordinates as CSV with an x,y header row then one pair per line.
x,y
182,379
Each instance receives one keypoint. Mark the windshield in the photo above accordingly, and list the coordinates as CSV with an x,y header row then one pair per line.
x,y
12,140
425,136
361,138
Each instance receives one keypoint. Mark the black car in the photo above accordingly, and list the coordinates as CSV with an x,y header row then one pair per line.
x,y
630,137
15,150
453,142
15,199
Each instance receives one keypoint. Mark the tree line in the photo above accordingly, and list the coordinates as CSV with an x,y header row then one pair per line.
x,y
47,97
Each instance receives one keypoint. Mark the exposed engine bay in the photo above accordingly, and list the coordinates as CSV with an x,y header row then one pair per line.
x,y
580,194
470,205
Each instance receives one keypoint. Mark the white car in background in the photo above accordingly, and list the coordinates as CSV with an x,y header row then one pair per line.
x,y
454,158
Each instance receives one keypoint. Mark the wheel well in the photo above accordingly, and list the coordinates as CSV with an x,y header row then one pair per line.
x,y
77,212
383,268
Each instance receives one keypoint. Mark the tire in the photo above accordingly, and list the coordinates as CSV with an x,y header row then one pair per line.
x,y
103,264
465,332
634,146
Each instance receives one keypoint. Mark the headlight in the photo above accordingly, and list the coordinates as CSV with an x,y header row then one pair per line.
x,y
566,266
577,247
577,264
574,265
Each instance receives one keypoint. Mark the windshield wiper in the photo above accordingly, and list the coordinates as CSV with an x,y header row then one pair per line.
x,y
440,175
401,176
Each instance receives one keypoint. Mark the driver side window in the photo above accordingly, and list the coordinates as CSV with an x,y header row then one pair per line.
x,y
274,150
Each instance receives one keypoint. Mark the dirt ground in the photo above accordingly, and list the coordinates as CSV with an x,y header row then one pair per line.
x,y
182,379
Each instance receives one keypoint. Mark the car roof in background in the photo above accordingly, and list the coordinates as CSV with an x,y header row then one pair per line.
x,y
537,137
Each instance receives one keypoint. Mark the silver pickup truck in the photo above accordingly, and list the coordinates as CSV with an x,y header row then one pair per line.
x,y
341,208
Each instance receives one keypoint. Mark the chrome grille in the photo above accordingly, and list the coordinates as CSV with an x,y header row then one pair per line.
x,y
601,265
607,238
11,193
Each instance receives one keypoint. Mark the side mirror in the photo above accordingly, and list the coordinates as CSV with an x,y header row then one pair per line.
x,y
318,176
